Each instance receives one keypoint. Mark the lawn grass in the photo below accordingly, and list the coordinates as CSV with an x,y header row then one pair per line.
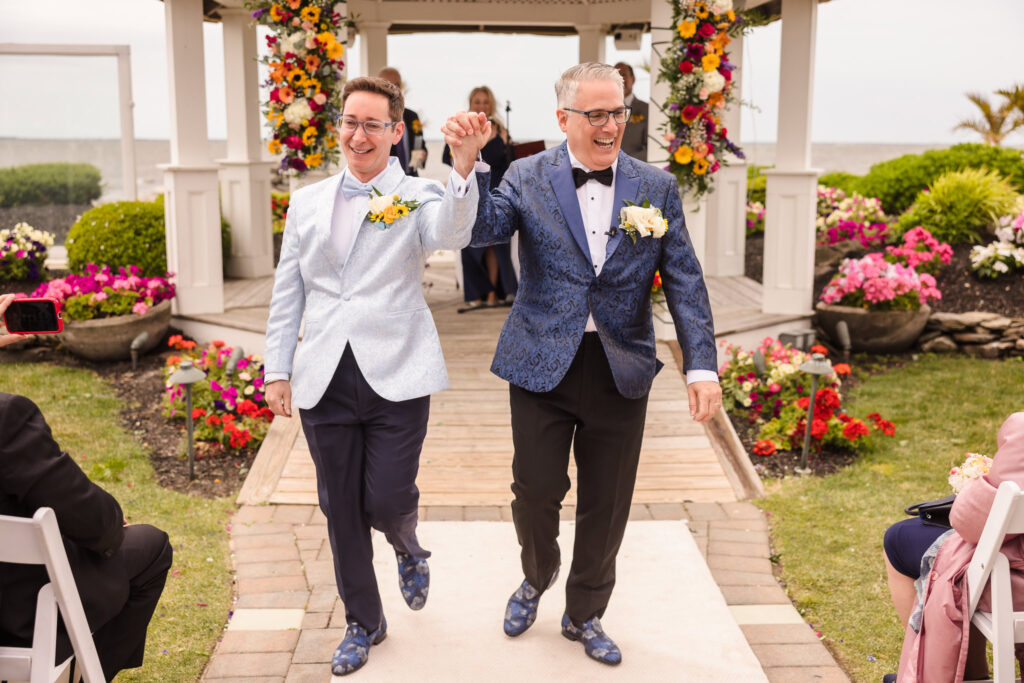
x,y
827,532
82,411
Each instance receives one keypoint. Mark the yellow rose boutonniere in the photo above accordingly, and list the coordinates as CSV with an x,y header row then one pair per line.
x,y
417,127
636,118
642,220
383,210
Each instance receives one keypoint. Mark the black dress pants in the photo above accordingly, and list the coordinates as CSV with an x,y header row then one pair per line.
x,y
605,430
367,452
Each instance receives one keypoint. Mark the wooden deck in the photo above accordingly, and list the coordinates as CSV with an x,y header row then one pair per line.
x,y
467,453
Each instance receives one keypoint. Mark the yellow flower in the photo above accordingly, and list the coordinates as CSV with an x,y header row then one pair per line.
x,y
417,127
700,166
683,155
710,62
310,14
335,50
702,10
314,160
325,38
274,146
402,210
731,15
390,214
296,76
331,141
687,29
275,12
275,118
312,83
308,135
396,198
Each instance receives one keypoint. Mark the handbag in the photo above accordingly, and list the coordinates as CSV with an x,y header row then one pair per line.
x,y
933,512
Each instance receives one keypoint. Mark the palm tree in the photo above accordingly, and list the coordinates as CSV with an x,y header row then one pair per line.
x,y
995,123
1014,97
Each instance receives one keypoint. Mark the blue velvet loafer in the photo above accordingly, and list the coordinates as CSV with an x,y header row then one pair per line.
x,y
521,611
354,650
413,579
596,642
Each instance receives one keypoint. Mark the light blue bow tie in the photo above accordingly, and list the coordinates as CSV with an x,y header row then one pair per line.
x,y
351,187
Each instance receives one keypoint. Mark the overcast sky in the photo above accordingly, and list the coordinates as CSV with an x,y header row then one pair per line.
x,y
886,71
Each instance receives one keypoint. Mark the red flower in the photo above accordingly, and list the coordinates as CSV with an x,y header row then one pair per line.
x,y
855,429
217,343
173,360
886,427
841,369
874,417
174,340
229,418
844,418
293,141
212,420
690,113
197,413
188,345
819,428
726,74
818,348
706,30
247,407
803,402
686,67
827,398
764,447
267,414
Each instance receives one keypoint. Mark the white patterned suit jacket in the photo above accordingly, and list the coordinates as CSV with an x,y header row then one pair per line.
x,y
374,302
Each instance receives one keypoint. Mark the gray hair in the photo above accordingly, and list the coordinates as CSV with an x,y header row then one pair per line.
x,y
565,87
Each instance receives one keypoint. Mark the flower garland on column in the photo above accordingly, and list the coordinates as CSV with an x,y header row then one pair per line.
x,y
305,82
699,75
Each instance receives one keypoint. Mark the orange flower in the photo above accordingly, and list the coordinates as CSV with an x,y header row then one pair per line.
x,y
286,94
818,348
217,343
173,360
294,4
841,369
312,63
390,214
277,75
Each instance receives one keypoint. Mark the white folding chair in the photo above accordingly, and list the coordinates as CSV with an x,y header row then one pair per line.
x,y
1002,626
38,541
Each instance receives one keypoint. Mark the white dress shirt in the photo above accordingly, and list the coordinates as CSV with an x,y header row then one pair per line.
x,y
596,207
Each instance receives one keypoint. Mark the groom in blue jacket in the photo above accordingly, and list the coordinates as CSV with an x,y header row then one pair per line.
x,y
578,347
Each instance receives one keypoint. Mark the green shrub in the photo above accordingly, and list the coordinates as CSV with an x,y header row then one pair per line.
x,y
897,181
960,206
756,184
58,183
847,182
126,233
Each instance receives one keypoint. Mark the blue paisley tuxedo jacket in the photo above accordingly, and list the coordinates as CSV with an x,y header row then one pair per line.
x,y
373,302
558,288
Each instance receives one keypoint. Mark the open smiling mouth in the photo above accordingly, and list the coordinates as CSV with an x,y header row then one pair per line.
x,y
360,151
604,143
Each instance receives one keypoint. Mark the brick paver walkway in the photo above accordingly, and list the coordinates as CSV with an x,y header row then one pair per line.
x,y
288,618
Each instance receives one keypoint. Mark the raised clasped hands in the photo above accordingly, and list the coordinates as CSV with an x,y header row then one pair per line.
x,y
466,134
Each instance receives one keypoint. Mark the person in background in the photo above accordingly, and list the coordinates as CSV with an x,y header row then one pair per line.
x,y
411,149
634,140
488,276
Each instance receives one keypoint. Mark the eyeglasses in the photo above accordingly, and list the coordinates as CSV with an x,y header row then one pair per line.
x,y
351,125
599,117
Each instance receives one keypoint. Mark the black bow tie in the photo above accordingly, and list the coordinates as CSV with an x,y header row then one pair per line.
x,y
604,176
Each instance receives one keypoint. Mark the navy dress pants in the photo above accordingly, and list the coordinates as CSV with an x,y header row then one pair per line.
x,y
604,429
367,451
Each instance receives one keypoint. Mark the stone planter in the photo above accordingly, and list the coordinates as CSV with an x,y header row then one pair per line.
x,y
111,338
874,331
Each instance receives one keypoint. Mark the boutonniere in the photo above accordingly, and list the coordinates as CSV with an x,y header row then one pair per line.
x,y
642,220
385,209
636,118
417,127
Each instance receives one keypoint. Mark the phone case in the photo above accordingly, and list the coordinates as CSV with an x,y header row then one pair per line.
x,y
56,305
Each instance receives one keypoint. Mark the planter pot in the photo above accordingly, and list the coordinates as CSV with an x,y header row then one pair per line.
x,y
111,338
874,331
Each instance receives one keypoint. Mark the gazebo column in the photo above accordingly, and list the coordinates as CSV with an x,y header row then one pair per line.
x,y
791,199
727,205
373,50
191,203
695,212
592,40
244,178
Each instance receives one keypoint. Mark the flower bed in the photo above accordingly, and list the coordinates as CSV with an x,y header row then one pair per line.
x,y
228,409
770,407
100,293
23,252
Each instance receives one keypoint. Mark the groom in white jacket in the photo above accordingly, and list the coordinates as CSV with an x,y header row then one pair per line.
x,y
352,263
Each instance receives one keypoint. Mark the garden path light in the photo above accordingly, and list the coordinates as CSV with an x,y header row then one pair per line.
x,y
818,365
187,375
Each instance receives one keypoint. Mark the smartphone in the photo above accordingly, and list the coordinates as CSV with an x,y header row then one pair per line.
x,y
33,316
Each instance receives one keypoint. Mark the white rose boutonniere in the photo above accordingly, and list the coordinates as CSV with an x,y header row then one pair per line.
x,y
385,209
642,220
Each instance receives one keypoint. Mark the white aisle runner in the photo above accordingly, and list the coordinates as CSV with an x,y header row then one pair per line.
x,y
666,614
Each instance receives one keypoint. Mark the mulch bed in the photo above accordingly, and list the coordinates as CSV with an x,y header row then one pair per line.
x,y
141,390
961,292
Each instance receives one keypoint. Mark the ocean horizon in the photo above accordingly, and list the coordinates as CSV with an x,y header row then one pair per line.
x,y
105,154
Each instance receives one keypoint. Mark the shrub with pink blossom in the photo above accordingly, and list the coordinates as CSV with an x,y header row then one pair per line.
x,y
875,284
855,217
100,293
920,251
755,218
846,231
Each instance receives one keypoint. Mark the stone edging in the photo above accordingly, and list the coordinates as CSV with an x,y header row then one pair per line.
x,y
987,335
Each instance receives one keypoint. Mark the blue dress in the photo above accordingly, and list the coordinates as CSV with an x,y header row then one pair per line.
x,y
476,284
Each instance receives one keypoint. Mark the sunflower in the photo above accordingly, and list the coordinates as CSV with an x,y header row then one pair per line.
x,y
700,166
274,146
335,50
314,160
687,29
297,76
702,10
310,14
308,135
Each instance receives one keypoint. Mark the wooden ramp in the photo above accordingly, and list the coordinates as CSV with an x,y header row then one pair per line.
x,y
467,453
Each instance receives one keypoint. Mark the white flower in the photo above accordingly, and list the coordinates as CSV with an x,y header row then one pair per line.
x,y
747,386
297,112
1001,267
648,222
714,81
974,466
249,390
296,43
377,204
245,376
721,6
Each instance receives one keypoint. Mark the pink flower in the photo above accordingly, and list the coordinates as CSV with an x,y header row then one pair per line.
x,y
99,296
140,308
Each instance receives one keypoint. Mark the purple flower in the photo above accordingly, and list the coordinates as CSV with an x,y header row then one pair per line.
x,y
695,51
297,164
256,14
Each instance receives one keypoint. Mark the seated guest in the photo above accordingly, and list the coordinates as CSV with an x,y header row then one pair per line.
x,y
939,643
487,273
119,569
